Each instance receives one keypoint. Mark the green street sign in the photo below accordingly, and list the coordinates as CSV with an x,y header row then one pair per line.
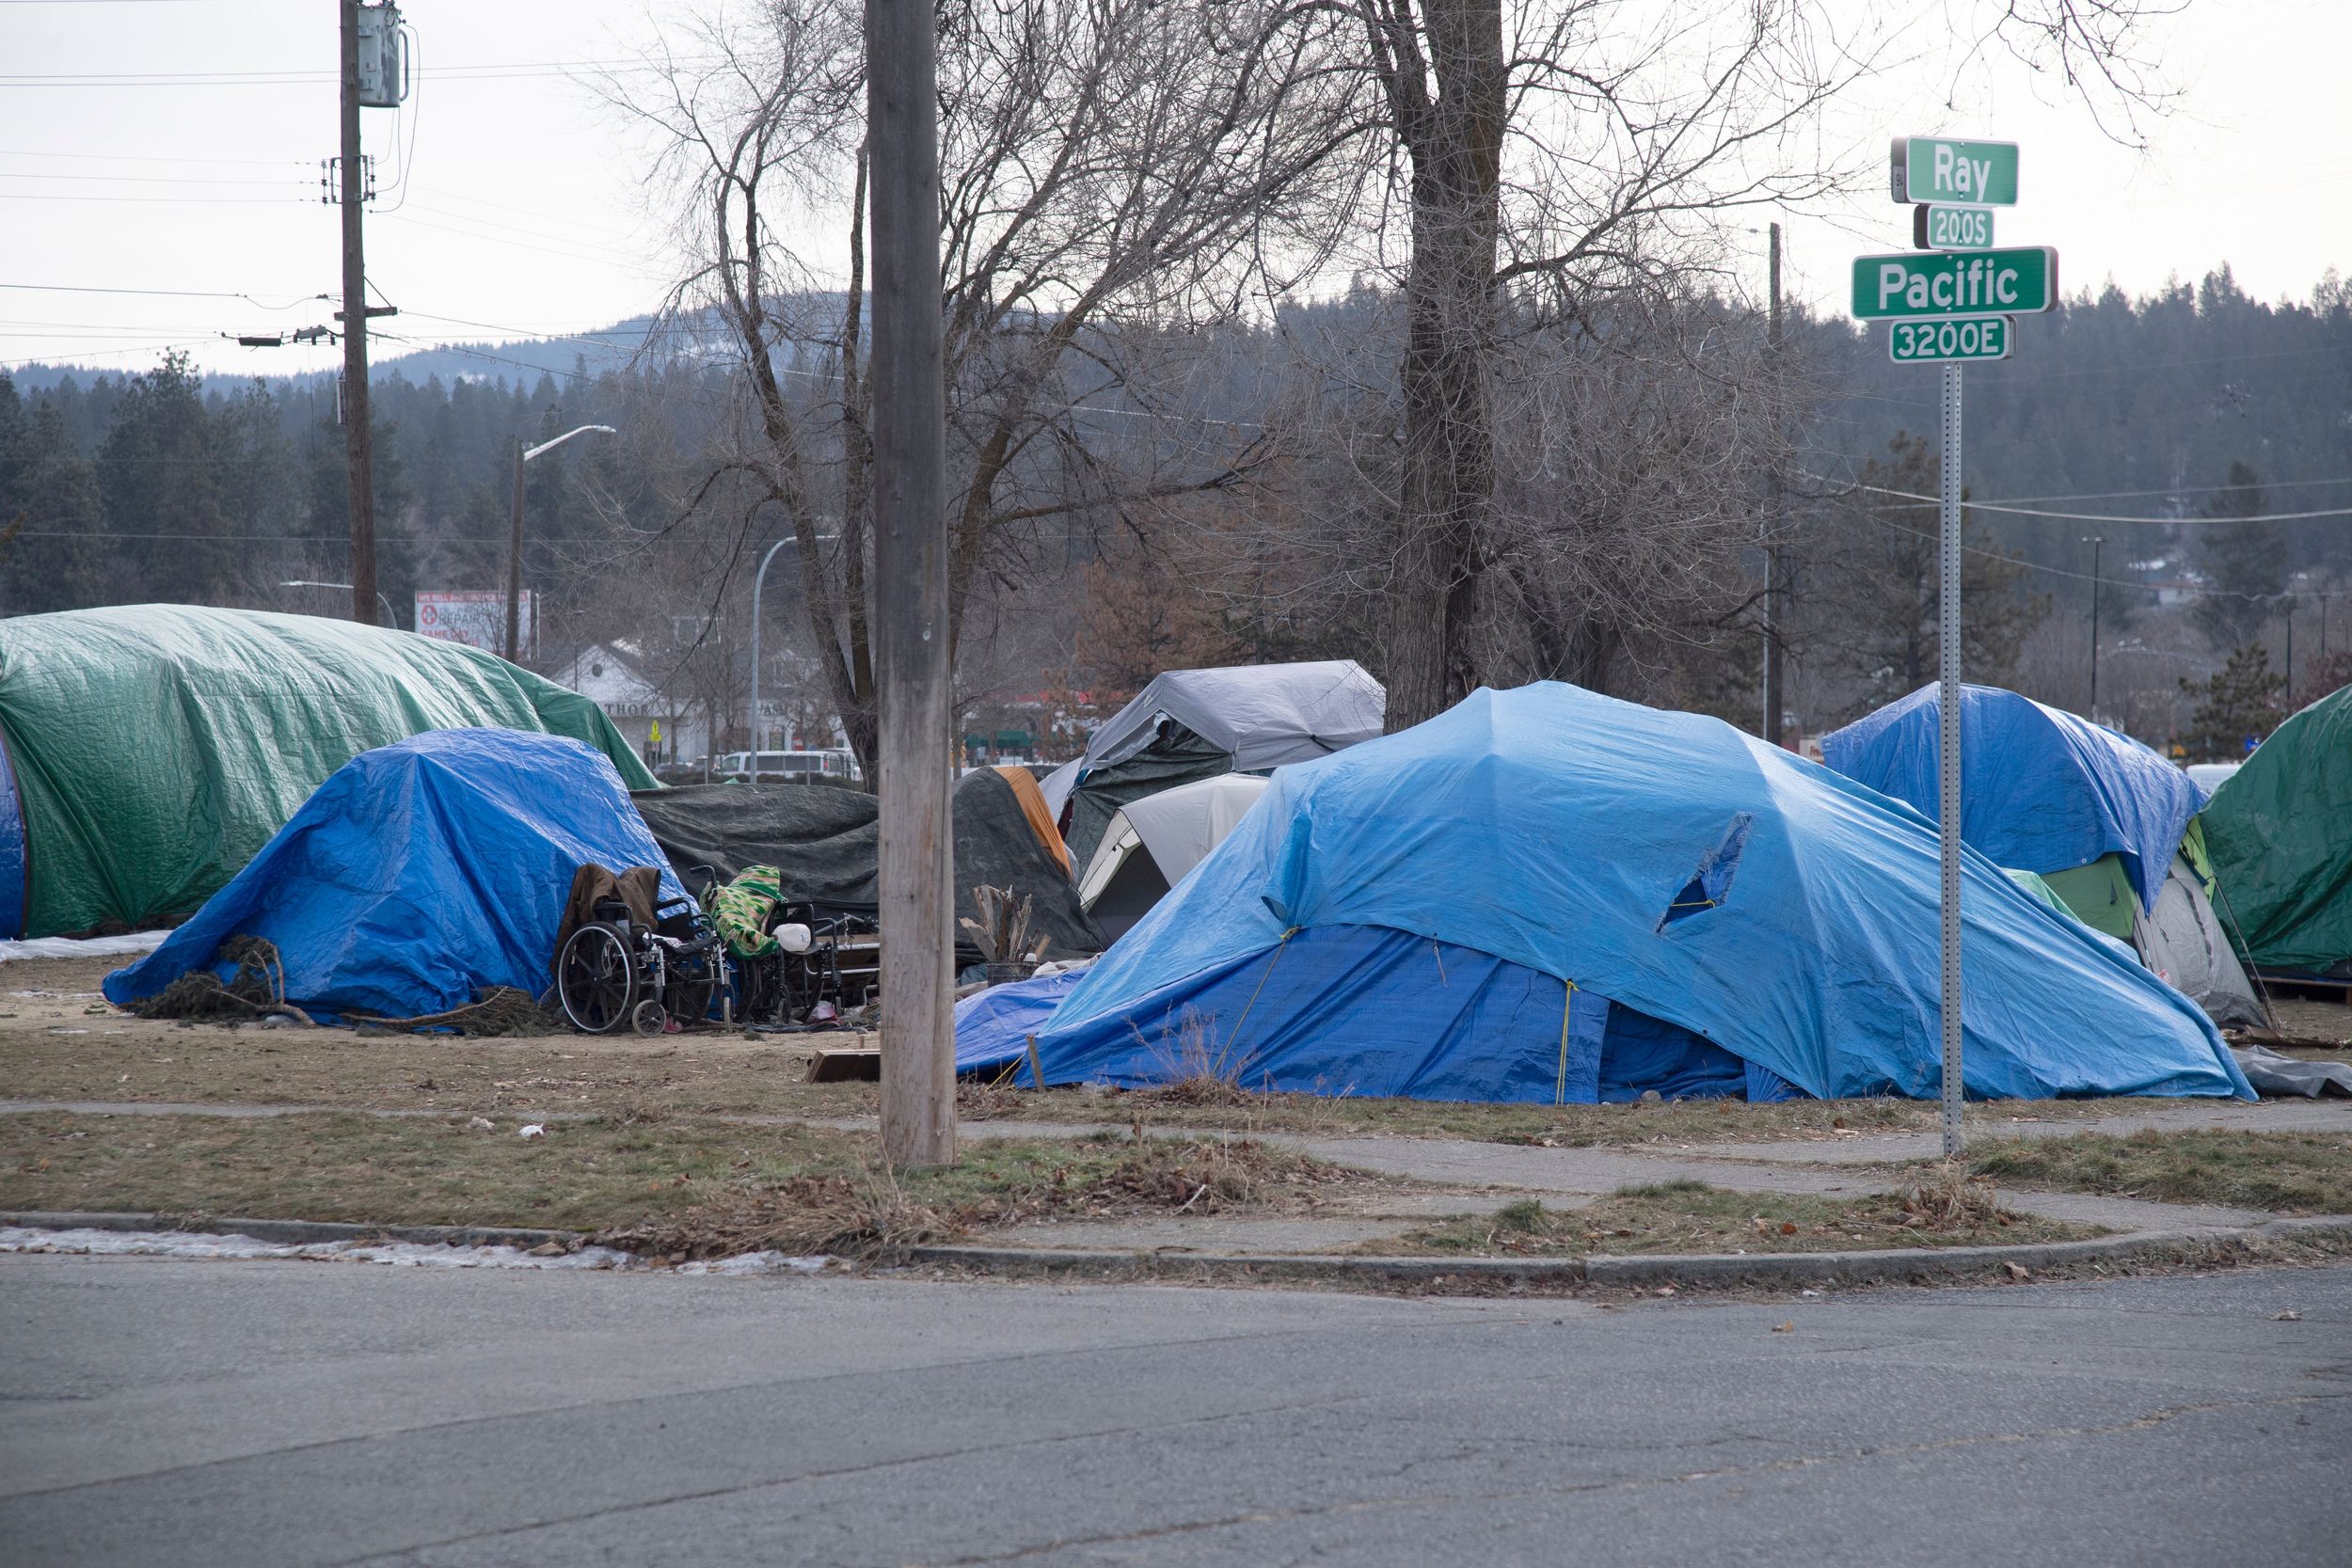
x,y
1932,342
1912,285
1973,173
1940,228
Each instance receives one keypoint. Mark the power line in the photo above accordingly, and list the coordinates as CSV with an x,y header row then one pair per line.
x,y
174,294
2097,517
152,157
158,179
2138,584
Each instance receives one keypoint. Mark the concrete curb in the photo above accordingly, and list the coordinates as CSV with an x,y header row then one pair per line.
x,y
292,1232
1721,1269
1762,1269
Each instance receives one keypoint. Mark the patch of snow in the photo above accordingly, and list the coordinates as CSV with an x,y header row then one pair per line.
x,y
180,1243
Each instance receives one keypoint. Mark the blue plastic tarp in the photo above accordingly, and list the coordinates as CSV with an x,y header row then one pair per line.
x,y
1404,917
2042,789
419,875
992,1027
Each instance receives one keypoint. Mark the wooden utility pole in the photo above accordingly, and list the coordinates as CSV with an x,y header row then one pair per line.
x,y
1775,565
354,318
910,642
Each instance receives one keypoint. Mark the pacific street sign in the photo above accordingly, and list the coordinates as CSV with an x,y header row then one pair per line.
x,y
1939,168
1941,228
1930,342
1916,284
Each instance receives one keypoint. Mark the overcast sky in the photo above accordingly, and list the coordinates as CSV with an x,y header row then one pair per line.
x,y
175,144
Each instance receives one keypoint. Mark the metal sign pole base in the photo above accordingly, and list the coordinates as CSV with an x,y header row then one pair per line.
x,y
1948,803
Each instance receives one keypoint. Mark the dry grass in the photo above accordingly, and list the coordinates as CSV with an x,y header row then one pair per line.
x,y
112,1056
2292,1173
700,1188
1691,1216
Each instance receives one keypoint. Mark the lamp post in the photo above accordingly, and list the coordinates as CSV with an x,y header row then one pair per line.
x,y
2094,541
514,545
759,581
390,619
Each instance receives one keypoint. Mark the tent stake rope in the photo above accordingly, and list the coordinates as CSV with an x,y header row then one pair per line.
x,y
1567,1006
1227,1053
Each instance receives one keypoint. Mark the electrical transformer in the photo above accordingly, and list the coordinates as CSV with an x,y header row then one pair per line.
x,y
383,57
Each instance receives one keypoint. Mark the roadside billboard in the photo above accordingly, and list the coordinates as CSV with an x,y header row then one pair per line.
x,y
477,617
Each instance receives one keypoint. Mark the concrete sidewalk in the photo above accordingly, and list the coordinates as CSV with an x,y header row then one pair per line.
x,y
1471,1177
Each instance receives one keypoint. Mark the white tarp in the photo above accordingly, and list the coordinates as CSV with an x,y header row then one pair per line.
x,y
2183,943
83,947
1265,714
1055,786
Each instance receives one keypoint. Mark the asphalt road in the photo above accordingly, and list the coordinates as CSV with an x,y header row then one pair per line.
x,y
259,1414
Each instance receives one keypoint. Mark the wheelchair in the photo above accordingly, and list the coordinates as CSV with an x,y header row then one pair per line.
x,y
614,971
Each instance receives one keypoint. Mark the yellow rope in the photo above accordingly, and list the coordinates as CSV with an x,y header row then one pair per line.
x,y
1567,1002
1222,1055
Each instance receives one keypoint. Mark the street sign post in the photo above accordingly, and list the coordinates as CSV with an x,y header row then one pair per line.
x,y
1952,299
1937,227
1955,338
1916,285
1939,168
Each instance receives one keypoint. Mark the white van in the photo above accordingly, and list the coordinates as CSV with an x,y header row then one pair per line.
x,y
829,764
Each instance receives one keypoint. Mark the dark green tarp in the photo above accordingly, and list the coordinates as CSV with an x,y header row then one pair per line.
x,y
2280,832
825,845
151,750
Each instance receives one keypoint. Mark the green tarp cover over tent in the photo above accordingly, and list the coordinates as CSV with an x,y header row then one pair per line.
x,y
151,750
2280,831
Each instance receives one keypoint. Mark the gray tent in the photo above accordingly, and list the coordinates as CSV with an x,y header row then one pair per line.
x,y
2182,941
1191,724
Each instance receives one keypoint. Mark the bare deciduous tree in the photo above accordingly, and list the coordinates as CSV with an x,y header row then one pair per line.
x,y
1105,164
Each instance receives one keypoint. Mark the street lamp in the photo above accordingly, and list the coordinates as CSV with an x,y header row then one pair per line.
x,y
759,581
390,619
515,546
2094,541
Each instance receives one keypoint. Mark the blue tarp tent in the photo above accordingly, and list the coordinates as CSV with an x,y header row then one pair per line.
x,y
419,874
1546,895
2044,790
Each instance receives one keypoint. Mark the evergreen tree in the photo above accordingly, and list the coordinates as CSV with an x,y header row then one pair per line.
x,y
1869,595
2236,706
162,499
50,554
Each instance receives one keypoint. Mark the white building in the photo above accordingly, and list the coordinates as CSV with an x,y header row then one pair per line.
x,y
662,729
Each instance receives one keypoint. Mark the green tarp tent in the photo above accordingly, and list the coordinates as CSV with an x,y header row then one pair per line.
x,y
151,750
2279,831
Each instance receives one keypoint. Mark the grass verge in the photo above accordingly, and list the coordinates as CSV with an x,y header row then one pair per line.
x,y
1691,1216
686,1188
2291,1173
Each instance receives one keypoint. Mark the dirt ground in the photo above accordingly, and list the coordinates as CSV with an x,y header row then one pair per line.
x,y
2329,1023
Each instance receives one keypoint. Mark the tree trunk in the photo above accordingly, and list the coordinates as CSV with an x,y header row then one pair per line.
x,y
1454,141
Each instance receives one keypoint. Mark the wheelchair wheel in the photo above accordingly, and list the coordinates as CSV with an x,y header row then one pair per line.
x,y
694,984
597,979
649,1019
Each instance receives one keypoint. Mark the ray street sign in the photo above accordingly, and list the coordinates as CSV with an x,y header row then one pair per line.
x,y
1972,173
1915,284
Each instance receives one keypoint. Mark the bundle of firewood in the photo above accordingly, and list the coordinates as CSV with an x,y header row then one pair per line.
x,y
1002,932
